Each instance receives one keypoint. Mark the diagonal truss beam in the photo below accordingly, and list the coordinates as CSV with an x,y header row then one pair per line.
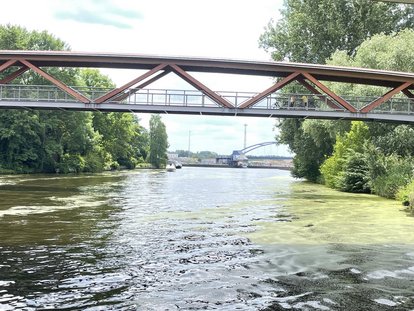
x,y
14,75
328,92
280,84
385,97
408,93
56,82
7,64
121,89
122,96
201,87
312,89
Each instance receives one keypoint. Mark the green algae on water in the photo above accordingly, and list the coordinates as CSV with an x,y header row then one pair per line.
x,y
315,214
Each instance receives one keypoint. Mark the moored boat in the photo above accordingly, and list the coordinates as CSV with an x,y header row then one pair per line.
x,y
170,167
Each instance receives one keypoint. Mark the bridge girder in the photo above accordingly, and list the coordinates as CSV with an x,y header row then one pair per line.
x,y
208,111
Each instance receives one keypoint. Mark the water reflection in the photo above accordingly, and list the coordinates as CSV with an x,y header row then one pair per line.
x,y
221,239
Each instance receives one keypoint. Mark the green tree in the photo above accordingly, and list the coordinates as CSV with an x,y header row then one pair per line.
x,y
20,141
398,140
311,30
354,177
392,145
392,52
46,137
121,134
312,142
49,141
389,174
158,142
123,139
346,168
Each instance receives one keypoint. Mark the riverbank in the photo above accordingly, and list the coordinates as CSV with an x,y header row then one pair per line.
x,y
226,166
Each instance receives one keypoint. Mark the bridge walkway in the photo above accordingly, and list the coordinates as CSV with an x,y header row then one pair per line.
x,y
196,102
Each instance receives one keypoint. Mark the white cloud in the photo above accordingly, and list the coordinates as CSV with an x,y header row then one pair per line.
x,y
214,29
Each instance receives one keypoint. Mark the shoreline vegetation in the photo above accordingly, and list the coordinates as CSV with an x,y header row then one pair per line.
x,y
42,141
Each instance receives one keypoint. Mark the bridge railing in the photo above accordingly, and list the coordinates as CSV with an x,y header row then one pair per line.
x,y
397,106
198,99
195,98
185,98
299,102
49,93
272,102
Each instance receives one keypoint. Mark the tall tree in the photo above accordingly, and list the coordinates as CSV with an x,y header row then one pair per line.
x,y
311,30
120,132
49,137
49,141
311,141
390,151
158,141
346,169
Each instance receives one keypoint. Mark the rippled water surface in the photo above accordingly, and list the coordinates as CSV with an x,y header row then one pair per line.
x,y
200,239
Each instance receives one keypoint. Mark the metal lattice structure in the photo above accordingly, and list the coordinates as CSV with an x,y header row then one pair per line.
x,y
135,96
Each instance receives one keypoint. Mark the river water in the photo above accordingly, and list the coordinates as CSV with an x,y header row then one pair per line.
x,y
200,239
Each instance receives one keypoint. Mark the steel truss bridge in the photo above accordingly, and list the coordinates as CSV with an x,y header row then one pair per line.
x,y
396,104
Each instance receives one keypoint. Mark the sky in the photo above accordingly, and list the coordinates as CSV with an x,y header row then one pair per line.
x,y
227,29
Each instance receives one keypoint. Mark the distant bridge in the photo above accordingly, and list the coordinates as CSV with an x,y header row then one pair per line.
x,y
238,158
396,104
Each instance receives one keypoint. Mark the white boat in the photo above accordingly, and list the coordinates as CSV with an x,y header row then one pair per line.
x,y
170,167
178,164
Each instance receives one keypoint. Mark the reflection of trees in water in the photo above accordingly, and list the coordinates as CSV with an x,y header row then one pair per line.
x,y
51,210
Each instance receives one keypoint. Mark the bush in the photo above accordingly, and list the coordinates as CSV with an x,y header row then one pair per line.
x,y
346,169
129,163
397,173
94,163
71,163
406,194
354,177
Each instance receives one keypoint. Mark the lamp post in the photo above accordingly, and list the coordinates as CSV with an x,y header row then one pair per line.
x,y
189,142
245,132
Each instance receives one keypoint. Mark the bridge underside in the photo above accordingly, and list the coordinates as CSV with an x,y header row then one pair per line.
x,y
396,104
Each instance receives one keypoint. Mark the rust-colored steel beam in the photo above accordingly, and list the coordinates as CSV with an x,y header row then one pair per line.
x,y
7,64
122,96
385,97
408,93
312,89
119,90
277,86
56,82
14,75
201,87
69,59
328,92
